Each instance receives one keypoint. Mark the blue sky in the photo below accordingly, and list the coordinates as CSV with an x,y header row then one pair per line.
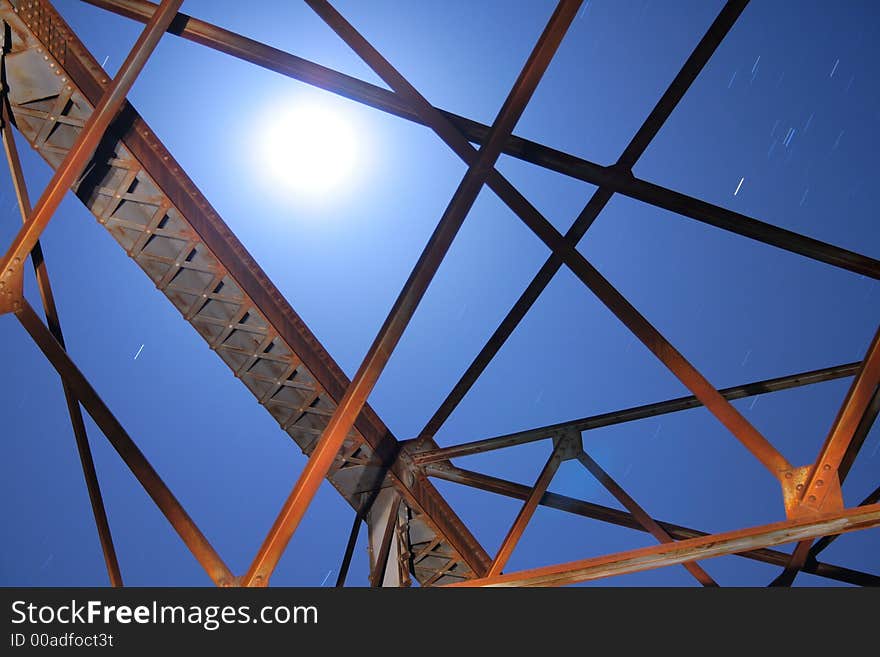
x,y
789,105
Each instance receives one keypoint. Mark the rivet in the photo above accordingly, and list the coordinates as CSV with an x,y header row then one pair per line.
x,y
118,196
827,466
16,260
799,487
149,232
51,118
204,295
230,326
788,475
812,498
820,483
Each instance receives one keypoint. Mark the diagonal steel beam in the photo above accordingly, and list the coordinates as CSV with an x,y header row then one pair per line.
x,y
126,448
872,498
73,408
852,412
619,182
706,547
87,141
624,519
741,428
377,357
631,414
526,511
861,434
641,516
855,414
634,150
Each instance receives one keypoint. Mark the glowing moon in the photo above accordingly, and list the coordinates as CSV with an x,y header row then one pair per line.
x,y
309,150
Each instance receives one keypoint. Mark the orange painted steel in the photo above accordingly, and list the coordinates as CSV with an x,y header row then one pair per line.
x,y
368,373
80,153
705,547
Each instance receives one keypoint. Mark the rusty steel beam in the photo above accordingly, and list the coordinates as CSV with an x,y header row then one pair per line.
x,y
855,405
646,133
825,477
82,150
820,545
631,414
735,422
706,547
615,180
220,243
47,297
526,511
860,436
126,448
620,518
377,357
377,577
641,516
349,549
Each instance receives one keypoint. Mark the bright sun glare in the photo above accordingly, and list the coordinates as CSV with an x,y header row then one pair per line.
x,y
309,150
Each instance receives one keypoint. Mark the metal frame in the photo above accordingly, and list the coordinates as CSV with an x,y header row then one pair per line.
x,y
409,522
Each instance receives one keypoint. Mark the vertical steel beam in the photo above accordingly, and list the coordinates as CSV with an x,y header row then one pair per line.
x,y
87,141
404,308
641,516
379,562
527,511
73,409
126,448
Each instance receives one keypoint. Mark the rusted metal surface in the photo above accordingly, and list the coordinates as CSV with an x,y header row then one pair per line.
x,y
126,448
54,324
134,187
620,518
404,307
143,197
422,455
526,512
673,359
612,178
81,150
855,406
667,554
600,198
641,516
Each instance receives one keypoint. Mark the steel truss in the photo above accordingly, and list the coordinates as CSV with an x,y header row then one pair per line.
x,y
63,103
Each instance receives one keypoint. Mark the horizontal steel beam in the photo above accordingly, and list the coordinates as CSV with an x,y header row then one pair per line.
x,y
615,179
692,549
631,414
623,519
